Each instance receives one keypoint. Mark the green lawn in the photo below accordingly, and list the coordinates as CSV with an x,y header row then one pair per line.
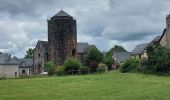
x,y
110,86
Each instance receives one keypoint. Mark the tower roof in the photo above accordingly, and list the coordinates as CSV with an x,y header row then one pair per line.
x,y
61,14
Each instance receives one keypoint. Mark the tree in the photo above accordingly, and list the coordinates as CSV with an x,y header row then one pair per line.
x,y
116,48
29,53
109,61
158,59
93,58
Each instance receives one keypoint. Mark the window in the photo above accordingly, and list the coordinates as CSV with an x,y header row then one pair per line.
x,y
23,71
39,55
74,52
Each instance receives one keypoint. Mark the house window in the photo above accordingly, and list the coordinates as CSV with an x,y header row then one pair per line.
x,y
23,71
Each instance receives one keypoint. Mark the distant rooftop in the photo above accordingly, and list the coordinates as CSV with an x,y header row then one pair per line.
x,y
139,49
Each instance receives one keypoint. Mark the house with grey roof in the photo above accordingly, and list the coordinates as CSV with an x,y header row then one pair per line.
x,y
9,67
140,51
26,66
121,57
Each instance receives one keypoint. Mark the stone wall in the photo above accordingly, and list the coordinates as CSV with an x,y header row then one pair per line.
x,y
62,39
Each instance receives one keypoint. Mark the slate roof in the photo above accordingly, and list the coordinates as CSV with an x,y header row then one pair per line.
x,y
28,62
5,59
139,49
121,57
164,31
61,14
81,47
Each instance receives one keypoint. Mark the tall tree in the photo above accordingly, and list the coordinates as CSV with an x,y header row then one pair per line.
x,y
29,53
94,57
116,48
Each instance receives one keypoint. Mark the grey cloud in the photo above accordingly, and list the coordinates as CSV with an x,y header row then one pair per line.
x,y
100,22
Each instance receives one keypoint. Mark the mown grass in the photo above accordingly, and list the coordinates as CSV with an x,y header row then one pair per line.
x,y
109,86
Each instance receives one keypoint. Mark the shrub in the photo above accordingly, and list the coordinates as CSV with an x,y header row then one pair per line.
x,y
158,60
130,65
50,67
102,68
84,70
59,70
71,64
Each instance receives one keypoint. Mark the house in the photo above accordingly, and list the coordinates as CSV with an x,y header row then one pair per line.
x,y
26,66
165,37
40,55
121,57
140,51
163,40
82,50
9,67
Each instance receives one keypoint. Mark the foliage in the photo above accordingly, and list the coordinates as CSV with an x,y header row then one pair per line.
x,y
59,70
116,48
29,53
130,65
158,59
71,64
109,61
93,58
102,68
50,67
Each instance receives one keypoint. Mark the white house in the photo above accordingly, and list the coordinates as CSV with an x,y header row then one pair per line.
x,y
9,67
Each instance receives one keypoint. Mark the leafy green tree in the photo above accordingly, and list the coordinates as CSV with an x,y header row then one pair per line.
x,y
158,59
93,58
29,53
116,48
109,61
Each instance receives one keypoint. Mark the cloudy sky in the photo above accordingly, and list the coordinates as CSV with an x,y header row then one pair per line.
x,y
103,23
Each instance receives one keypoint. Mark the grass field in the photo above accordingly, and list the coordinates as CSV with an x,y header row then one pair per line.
x,y
109,86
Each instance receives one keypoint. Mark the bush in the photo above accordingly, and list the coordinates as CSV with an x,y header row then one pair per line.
x,y
84,70
130,65
71,64
102,68
50,68
59,70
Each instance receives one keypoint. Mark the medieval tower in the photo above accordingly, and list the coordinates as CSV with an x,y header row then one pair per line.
x,y
62,37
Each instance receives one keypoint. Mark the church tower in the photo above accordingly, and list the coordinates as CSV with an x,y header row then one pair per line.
x,y
62,37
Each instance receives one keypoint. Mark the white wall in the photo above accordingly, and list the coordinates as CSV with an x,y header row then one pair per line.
x,y
27,71
9,71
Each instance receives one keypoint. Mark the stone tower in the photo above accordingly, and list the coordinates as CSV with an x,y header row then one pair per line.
x,y
62,37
